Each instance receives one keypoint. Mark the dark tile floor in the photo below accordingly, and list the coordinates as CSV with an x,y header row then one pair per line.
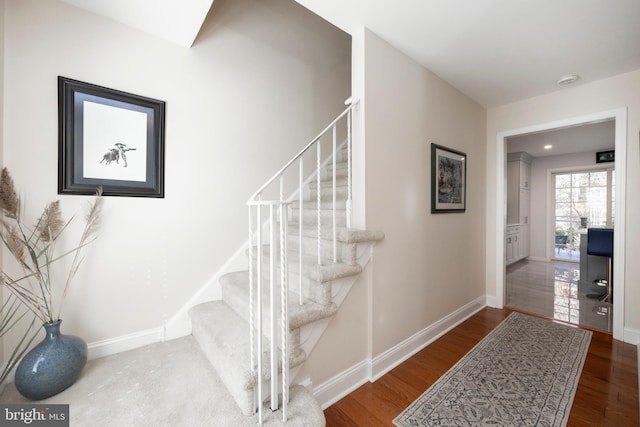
x,y
551,289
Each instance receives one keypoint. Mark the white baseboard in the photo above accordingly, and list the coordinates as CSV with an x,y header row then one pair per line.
x,y
367,370
342,384
492,301
631,336
124,342
113,346
399,353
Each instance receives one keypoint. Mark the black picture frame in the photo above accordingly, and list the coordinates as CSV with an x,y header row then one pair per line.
x,y
448,180
109,139
605,156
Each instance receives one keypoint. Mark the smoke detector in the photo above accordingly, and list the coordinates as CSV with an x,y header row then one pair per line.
x,y
567,79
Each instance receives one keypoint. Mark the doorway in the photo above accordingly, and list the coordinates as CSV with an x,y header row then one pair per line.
x,y
619,117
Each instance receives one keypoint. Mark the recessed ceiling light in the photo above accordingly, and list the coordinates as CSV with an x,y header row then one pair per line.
x,y
567,79
548,147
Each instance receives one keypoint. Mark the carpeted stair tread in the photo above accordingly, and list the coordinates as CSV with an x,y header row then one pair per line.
x,y
221,327
235,292
326,192
328,182
326,216
341,179
341,204
166,384
343,234
347,240
224,339
324,273
341,172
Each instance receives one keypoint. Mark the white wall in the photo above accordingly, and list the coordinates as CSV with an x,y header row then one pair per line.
x,y
541,167
622,91
2,26
262,79
428,265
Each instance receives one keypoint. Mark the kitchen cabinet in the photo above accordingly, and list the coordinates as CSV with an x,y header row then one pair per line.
x,y
518,206
512,244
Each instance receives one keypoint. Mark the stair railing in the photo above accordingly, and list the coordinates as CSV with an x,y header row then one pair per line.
x,y
276,228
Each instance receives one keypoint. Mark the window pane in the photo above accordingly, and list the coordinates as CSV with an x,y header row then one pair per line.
x,y
598,195
580,179
581,209
563,210
563,181
579,194
581,201
598,178
563,195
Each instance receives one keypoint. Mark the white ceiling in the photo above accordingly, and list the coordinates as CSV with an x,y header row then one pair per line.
x,y
589,137
501,51
178,21
494,51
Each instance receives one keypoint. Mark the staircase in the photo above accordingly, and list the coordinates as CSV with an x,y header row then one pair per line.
x,y
302,260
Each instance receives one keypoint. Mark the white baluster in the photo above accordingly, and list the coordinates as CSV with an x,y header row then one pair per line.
x,y
318,197
259,314
252,319
349,167
256,273
335,235
273,318
284,310
300,224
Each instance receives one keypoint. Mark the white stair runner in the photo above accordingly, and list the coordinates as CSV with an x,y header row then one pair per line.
x,y
222,329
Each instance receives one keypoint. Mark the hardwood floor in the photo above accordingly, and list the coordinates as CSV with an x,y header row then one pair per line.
x,y
607,393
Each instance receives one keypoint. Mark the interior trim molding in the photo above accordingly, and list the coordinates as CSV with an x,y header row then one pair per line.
x,y
124,343
492,301
397,354
371,369
632,336
334,389
498,229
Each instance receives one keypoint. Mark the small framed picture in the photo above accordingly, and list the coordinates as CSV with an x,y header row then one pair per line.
x,y
109,139
448,180
605,156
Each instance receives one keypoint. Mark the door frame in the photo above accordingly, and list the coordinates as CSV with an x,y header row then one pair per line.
x,y
620,117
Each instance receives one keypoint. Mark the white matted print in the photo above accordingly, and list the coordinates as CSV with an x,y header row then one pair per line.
x,y
115,143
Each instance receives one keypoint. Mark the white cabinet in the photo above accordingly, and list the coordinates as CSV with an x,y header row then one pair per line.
x,y
518,206
524,208
512,243
525,173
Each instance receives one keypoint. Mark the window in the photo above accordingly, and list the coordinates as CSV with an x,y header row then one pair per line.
x,y
582,199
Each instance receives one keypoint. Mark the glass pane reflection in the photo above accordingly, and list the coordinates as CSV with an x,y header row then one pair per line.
x,y
566,306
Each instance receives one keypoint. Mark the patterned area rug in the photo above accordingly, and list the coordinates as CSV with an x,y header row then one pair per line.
x,y
523,373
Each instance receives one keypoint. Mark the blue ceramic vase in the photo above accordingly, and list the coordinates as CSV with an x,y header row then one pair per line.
x,y
51,366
